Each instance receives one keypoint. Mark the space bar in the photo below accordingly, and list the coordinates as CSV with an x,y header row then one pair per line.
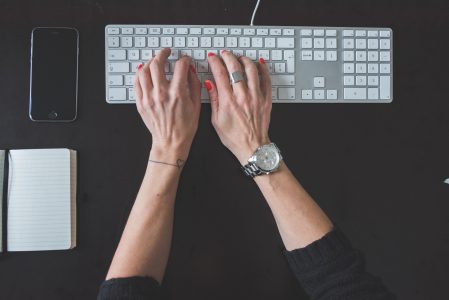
x,y
282,80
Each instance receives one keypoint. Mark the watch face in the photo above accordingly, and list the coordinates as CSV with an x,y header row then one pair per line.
x,y
267,158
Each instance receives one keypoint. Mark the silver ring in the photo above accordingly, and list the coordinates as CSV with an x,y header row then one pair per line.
x,y
236,76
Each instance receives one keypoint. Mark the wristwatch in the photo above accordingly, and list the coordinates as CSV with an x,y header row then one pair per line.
x,y
265,160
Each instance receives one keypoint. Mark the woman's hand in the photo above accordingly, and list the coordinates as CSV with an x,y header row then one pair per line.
x,y
169,109
240,112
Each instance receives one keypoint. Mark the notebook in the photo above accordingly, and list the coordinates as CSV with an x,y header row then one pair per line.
x,y
40,193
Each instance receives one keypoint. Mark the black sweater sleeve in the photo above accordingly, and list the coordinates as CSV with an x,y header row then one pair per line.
x,y
330,268
130,288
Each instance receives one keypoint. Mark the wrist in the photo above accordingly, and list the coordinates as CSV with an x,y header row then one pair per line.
x,y
169,155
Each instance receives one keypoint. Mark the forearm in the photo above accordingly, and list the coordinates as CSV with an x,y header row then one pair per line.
x,y
299,219
145,244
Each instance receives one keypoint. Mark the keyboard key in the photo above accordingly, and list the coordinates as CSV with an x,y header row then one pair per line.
x,y
348,32
348,44
174,54
360,33
318,55
126,41
373,44
231,42
306,32
219,42
275,31
182,30
133,55
222,30
306,43
384,68
155,30
373,56
146,54
166,41
348,68
249,31
373,80
360,68
236,31
244,42
385,44
354,93
318,94
360,55
384,56
192,42
373,93
170,30
131,94
348,80
276,55
360,44
331,43
373,68
318,32
279,68
331,32
115,80
205,42
289,56
116,54
265,54
199,54
331,55
194,31
360,80
113,30
384,33
251,54
122,67
331,94
117,94
348,55
274,93
318,82
318,43
256,42
209,31
129,79
127,30
306,94
283,79
270,42
141,30
373,33
286,42
262,31
384,87
184,52
113,42
288,31
140,42
287,93
203,66
153,42
180,42
306,55
237,52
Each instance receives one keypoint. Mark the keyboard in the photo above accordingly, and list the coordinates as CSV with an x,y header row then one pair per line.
x,y
307,64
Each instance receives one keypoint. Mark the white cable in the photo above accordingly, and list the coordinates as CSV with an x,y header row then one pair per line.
x,y
254,12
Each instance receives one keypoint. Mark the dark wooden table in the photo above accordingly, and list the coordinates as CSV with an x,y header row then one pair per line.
x,y
377,170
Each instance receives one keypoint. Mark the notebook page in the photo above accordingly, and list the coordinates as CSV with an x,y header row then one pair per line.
x,y
39,204
73,172
2,164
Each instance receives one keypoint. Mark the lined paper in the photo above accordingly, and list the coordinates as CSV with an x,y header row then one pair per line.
x,y
39,200
2,170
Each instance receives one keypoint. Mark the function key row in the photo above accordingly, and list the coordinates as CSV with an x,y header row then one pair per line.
x,y
199,31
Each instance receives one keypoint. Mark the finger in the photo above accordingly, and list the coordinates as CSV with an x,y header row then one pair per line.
x,y
181,71
221,77
233,65
252,76
265,80
138,90
213,96
146,83
157,67
194,86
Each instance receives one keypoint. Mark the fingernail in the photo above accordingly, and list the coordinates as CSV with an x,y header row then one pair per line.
x,y
222,51
208,85
192,68
210,54
139,66
261,60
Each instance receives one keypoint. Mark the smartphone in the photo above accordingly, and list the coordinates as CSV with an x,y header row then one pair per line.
x,y
54,74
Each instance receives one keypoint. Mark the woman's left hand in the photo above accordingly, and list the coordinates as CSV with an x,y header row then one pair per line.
x,y
169,109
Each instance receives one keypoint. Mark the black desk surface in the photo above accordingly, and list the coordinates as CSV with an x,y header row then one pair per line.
x,y
377,170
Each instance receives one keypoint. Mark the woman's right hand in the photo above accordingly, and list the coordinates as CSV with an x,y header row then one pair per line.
x,y
241,111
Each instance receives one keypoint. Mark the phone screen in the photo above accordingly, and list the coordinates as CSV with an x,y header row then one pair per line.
x,y
54,74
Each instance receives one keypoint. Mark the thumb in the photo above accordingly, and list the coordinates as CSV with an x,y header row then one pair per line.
x,y
213,96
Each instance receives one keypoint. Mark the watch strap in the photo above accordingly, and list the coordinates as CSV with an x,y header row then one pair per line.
x,y
251,170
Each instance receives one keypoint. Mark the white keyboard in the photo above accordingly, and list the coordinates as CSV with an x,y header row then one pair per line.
x,y
307,64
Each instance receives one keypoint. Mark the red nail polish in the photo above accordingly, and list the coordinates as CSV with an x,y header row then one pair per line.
x,y
192,68
261,60
210,54
208,85
139,66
